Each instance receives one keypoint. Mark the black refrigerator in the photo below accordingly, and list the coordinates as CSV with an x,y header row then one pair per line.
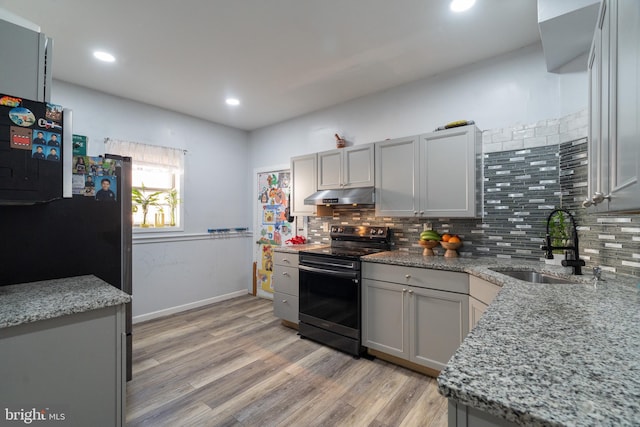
x,y
44,235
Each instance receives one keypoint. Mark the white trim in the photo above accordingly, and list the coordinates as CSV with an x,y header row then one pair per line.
x,y
188,306
144,238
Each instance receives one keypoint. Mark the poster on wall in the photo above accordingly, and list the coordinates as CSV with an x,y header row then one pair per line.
x,y
273,227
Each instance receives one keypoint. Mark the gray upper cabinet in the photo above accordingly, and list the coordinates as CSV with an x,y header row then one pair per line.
x,y
303,184
397,177
449,172
614,108
349,167
431,175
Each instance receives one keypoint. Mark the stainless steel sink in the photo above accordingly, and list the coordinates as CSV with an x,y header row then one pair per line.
x,y
534,277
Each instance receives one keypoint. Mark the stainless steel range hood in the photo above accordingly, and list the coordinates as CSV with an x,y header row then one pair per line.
x,y
350,196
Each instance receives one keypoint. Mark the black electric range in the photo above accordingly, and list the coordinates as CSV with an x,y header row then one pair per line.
x,y
330,304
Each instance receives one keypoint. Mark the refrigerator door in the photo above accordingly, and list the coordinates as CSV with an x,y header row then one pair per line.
x,y
31,151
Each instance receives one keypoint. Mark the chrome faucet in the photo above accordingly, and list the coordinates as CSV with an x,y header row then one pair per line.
x,y
574,262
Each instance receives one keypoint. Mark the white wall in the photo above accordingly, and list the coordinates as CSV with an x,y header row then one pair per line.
x,y
167,274
511,89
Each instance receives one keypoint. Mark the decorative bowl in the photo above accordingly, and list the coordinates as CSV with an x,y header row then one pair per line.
x,y
428,246
451,249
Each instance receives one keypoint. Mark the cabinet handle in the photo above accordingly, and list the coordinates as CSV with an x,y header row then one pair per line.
x,y
284,273
410,291
404,290
421,212
284,301
286,260
407,276
415,212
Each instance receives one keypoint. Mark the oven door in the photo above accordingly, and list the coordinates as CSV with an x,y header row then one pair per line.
x,y
330,299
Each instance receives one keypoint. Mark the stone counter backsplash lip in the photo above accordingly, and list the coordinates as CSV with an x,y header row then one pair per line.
x,y
48,299
294,249
545,354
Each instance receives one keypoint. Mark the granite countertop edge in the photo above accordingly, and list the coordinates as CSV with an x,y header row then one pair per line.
x,y
48,299
294,249
498,336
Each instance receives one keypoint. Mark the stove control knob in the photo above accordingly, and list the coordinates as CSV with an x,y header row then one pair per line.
x,y
381,231
373,231
334,229
340,230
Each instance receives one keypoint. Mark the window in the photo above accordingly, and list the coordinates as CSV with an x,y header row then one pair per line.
x,y
156,183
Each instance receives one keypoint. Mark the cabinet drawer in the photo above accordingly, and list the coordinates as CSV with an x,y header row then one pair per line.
x,y
285,307
285,258
285,279
421,277
482,290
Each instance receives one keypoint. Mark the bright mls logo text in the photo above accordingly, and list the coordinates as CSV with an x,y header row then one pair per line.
x,y
33,414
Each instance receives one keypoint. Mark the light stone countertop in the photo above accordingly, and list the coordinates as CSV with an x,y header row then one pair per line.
x,y
294,249
48,299
545,354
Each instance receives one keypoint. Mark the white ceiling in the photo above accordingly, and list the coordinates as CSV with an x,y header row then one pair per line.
x,y
282,58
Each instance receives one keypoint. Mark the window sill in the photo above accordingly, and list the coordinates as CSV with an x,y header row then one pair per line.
x,y
155,230
158,236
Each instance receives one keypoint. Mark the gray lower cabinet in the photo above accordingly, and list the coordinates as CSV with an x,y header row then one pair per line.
x,y
72,367
481,294
285,285
466,416
419,324
476,310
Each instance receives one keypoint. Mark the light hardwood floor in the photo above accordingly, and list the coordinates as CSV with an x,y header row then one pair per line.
x,y
234,364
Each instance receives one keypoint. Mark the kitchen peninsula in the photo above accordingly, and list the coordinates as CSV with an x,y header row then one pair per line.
x,y
62,347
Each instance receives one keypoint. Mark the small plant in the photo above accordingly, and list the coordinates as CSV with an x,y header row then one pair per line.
x,y
558,231
139,198
171,197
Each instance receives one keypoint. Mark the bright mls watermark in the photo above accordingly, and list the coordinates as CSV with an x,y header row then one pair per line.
x,y
34,415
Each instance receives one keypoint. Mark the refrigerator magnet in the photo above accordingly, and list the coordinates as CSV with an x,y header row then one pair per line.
x,y
10,101
108,189
53,155
53,112
22,117
20,138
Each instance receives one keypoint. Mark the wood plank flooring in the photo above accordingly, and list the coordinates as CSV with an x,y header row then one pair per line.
x,y
234,364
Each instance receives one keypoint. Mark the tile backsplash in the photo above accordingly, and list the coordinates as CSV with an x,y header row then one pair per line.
x,y
528,171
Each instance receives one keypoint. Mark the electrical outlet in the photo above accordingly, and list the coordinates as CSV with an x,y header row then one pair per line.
x,y
325,226
427,226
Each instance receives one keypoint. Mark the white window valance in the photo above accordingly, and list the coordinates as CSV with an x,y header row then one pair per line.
x,y
146,153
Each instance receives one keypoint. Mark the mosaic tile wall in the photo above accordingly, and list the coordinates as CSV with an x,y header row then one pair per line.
x,y
611,241
528,171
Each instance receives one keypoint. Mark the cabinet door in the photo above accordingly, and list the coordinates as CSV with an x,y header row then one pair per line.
x,y
285,279
330,169
624,144
384,317
438,322
303,184
358,166
476,310
396,177
448,173
595,105
285,307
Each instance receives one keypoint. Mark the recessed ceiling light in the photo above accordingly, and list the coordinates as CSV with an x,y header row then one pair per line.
x,y
104,56
232,101
461,5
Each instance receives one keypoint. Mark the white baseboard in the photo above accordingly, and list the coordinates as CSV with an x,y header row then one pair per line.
x,y
185,307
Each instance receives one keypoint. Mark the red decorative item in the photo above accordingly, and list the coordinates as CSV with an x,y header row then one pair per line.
x,y
296,240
